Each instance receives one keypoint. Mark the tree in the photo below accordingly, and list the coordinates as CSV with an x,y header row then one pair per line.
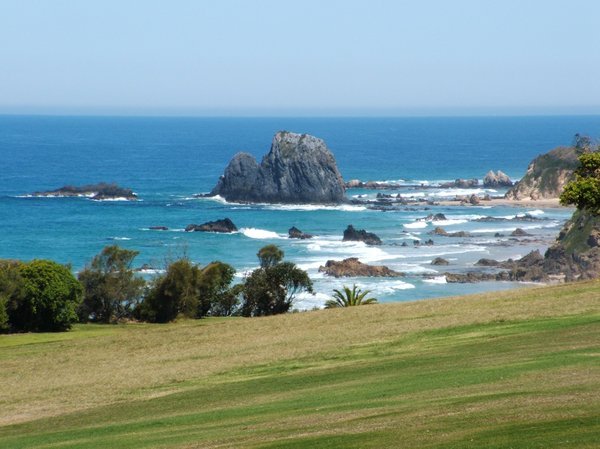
x,y
269,256
584,143
584,190
172,294
213,288
349,298
111,288
271,288
48,300
12,290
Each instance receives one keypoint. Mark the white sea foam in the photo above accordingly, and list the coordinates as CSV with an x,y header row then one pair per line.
x,y
120,238
338,248
255,233
314,265
436,280
416,225
389,287
151,271
112,199
535,212
449,222
308,301
314,207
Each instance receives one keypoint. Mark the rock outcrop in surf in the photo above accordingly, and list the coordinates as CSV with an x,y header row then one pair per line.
x,y
299,169
352,267
224,225
498,179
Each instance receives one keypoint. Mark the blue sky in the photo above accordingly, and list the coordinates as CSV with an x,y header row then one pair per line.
x,y
262,57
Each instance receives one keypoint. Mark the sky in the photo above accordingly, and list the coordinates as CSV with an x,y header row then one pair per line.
x,y
325,57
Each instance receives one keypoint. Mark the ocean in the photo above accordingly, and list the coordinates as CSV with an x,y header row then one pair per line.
x,y
166,161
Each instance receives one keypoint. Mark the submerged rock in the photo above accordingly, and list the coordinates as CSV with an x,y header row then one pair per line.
x,y
351,234
225,225
299,168
352,267
439,261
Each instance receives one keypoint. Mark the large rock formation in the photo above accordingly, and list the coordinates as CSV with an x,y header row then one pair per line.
x,y
298,169
353,267
547,175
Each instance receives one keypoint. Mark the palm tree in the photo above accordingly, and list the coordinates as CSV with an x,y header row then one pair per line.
x,y
348,298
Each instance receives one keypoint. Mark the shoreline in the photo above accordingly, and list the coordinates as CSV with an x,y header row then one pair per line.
x,y
548,203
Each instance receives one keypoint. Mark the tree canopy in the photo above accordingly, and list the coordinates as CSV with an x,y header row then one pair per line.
x,y
111,287
349,298
584,190
271,288
42,296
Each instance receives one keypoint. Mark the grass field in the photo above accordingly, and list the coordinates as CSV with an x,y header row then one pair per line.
x,y
517,369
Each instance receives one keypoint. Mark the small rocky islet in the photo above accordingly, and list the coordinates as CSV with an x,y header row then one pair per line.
x,y
99,192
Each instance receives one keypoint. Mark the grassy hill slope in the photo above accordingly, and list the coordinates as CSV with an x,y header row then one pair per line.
x,y
518,369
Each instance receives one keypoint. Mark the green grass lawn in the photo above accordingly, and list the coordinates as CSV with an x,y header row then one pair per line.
x,y
517,369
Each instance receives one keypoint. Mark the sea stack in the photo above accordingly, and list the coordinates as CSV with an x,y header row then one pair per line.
x,y
299,169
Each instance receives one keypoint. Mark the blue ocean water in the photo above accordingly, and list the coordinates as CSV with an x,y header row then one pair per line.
x,y
168,160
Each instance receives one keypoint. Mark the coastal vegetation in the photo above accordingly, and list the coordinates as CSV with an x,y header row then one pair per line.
x,y
497,370
349,298
45,296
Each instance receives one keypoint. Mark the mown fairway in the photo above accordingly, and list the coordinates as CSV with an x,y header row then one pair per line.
x,y
518,369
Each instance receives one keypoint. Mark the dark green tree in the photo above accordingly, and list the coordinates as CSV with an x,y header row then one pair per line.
x,y
213,288
111,288
50,298
271,288
584,190
12,291
175,293
269,256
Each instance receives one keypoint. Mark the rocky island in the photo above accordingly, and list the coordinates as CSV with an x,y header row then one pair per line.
x,y
99,192
299,169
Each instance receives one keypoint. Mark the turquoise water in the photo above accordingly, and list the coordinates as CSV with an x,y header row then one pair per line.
x,y
168,160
